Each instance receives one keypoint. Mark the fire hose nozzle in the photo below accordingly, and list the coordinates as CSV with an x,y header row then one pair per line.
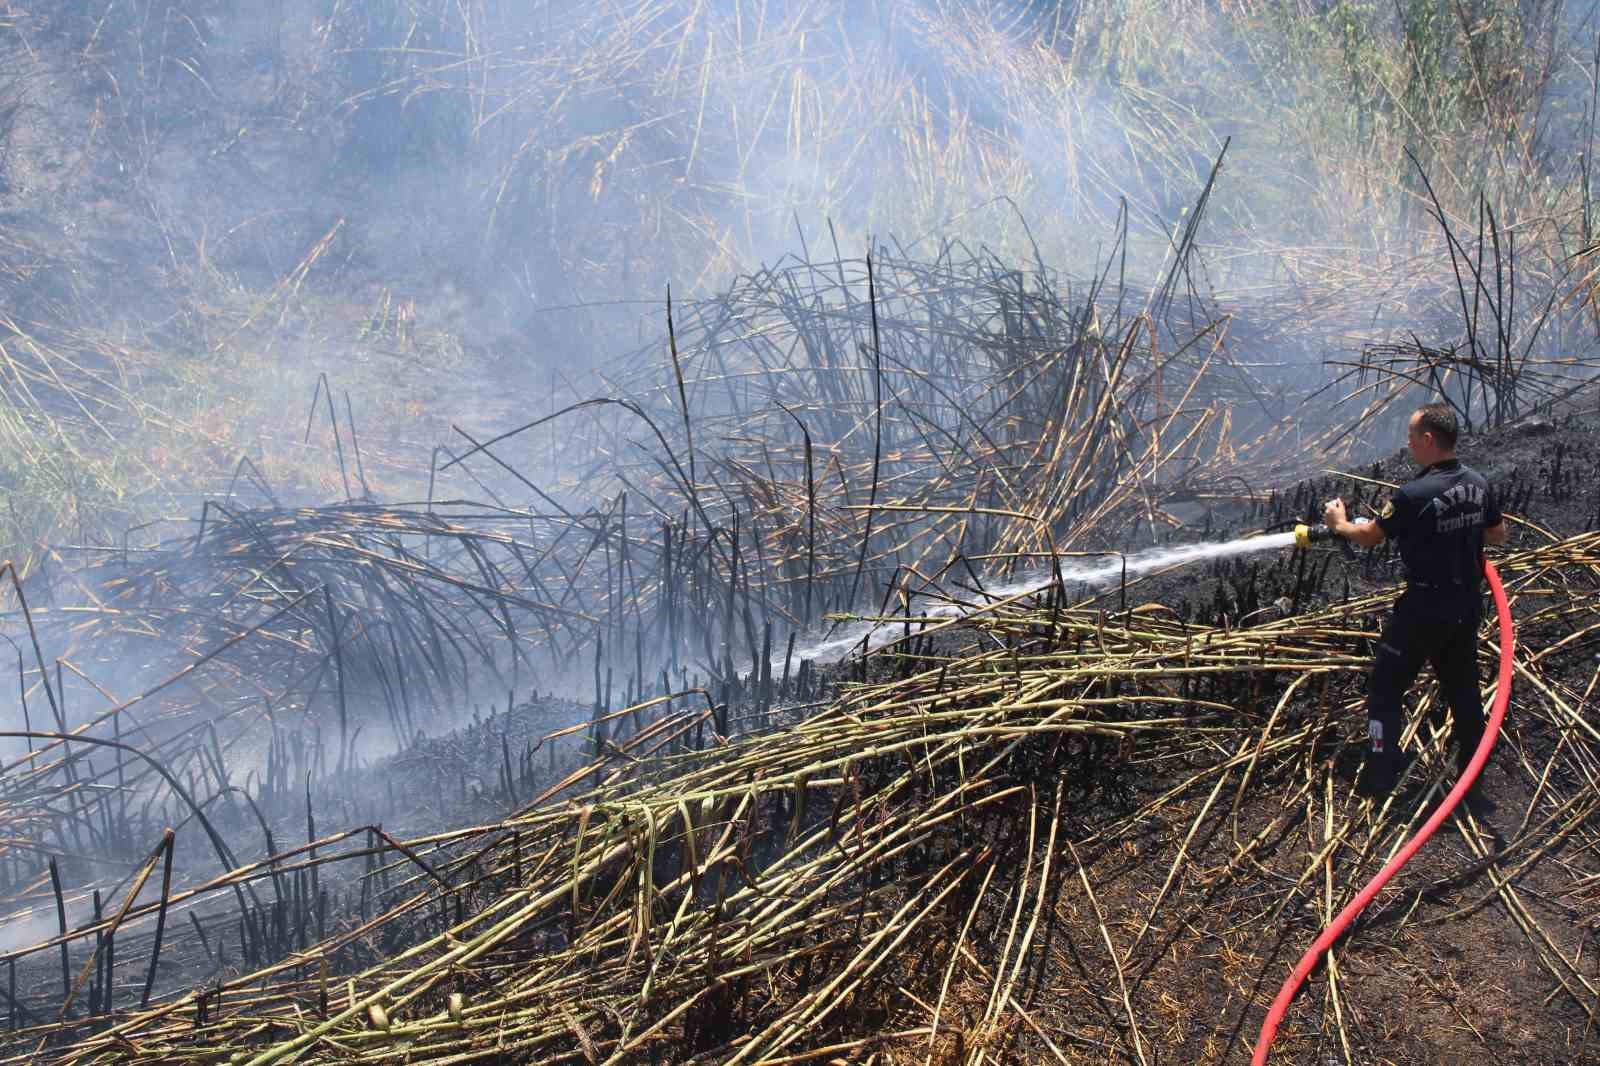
x,y
1305,536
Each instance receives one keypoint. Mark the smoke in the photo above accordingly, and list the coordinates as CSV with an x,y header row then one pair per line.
x,y
534,176
475,206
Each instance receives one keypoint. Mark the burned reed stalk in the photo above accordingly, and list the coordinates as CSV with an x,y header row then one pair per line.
x,y
61,922
877,432
167,847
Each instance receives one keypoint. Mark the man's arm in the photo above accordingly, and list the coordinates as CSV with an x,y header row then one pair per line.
x,y
1494,523
1366,534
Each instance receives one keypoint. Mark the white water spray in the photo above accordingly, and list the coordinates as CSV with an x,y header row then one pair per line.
x,y
1095,573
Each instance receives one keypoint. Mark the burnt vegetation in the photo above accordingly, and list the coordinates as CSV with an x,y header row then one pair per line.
x,y
738,696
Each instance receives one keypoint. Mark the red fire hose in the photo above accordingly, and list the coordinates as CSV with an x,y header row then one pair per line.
x,y
1497,714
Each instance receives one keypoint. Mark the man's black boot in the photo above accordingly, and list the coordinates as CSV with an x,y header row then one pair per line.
x,y
1379,775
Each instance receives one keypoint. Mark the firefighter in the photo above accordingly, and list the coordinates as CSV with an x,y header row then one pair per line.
x,y
1441,520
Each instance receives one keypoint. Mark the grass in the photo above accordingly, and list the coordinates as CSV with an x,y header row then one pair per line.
x,y
104,433
614,148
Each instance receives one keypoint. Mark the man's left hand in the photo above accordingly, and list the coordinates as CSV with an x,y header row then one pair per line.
x,y
1333,514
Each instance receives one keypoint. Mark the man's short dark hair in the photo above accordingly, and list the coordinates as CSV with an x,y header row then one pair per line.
x,y
1440,420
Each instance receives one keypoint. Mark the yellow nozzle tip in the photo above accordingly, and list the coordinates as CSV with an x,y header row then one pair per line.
x,y
1302,536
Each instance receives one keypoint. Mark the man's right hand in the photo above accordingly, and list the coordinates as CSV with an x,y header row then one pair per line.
x,y
1366,534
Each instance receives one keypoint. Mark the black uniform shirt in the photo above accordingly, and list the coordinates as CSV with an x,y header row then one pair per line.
x,y
1438,519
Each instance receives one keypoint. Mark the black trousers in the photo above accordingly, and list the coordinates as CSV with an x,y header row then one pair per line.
x,y
1443,630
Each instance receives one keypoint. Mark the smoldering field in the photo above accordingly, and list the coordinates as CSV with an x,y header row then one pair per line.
x,y
435,642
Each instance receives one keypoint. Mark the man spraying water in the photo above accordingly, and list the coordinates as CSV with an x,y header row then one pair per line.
x,y
1441,520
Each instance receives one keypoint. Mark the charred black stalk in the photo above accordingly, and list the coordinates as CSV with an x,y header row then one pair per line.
x,y
61,921
167,844
877,430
